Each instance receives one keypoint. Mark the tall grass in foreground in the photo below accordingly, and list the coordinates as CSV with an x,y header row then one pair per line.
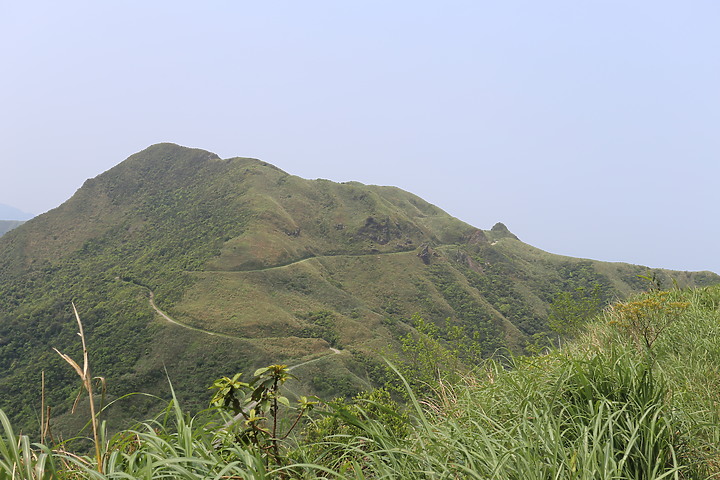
x,y
590,419
605,407
174,446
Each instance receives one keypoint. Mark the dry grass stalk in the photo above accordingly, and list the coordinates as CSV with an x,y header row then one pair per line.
x,y
84,374
42,407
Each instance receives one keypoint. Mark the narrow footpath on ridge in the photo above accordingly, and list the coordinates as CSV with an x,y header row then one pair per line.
x,y
333,351
185,325
305,259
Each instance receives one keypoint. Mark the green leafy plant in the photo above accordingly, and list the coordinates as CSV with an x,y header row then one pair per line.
x,y
258,404
645,319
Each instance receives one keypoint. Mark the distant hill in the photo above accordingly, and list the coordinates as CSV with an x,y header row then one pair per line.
x,y
253,266
7,225
11,213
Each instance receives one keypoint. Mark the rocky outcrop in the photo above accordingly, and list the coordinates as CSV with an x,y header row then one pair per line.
x,y
501,231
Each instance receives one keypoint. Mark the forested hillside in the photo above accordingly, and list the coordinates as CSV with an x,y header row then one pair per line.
x,y
251,266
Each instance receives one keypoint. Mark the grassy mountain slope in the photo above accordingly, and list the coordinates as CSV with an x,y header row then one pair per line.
x,y
255,266
608,405
7,225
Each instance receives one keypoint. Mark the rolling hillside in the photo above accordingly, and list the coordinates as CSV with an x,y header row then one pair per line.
x,y
189,266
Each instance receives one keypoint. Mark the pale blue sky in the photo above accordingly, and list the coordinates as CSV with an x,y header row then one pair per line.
x,y
590,128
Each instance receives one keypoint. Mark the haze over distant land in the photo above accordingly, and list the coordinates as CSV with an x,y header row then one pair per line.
x,y
588,128
8,212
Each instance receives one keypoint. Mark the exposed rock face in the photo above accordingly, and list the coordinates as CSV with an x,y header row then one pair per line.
x,y
380,231
425,254
478,237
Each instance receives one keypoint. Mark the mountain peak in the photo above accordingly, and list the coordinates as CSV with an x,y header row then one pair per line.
x,y
171,153
162,166
501,231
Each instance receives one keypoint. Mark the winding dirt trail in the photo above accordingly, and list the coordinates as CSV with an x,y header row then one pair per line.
x,y
295,262
184,325
333,351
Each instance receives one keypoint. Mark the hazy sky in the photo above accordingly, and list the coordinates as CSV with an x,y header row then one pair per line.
x,y
590,128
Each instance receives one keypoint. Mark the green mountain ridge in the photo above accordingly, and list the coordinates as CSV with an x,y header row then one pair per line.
x,y
255,266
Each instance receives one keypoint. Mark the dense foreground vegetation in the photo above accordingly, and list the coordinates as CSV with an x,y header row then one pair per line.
x,y
634,396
